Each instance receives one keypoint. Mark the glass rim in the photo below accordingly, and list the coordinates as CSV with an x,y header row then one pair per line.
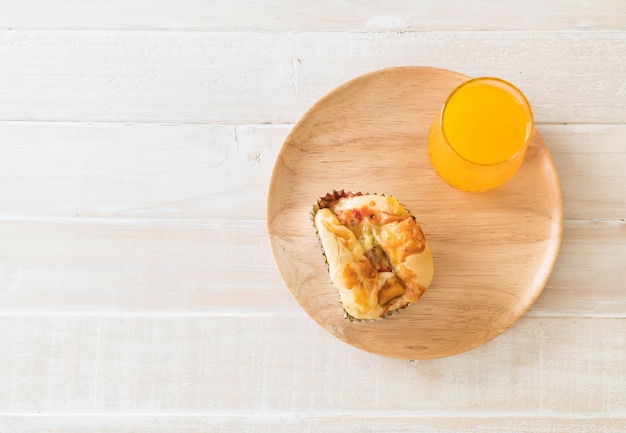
x,y
516,93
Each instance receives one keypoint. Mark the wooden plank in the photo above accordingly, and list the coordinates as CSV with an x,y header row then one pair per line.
x,y
592,167
282,366
223,268
321,15
153,76
119,170
305,422
136,170
138,266
589,276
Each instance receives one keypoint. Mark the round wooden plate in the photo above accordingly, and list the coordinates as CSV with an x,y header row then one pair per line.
x,y
493,251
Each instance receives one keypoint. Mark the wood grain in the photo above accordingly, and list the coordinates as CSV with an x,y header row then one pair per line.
x,y
306,422
589,275
90,170
493,252
302,15
591,167
137,365
83,267
172,77
122,170
142,268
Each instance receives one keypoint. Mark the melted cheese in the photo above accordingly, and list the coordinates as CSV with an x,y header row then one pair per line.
x,y
401,239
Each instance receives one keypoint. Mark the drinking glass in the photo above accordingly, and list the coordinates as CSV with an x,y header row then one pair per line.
x,y
478,140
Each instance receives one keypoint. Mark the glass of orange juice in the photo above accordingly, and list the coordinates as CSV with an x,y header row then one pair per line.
x,y
479,138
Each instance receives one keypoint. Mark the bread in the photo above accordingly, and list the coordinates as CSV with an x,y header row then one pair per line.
x,y
376,252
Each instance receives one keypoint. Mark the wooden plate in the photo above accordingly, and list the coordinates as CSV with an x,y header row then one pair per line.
x,y
493,251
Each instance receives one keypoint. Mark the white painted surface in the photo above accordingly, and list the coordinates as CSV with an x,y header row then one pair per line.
x,y
137,288
273,77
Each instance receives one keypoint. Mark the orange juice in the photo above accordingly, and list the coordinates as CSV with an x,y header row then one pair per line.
x,y
478,140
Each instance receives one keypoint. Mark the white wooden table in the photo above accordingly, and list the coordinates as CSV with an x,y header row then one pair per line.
x,y
137,288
